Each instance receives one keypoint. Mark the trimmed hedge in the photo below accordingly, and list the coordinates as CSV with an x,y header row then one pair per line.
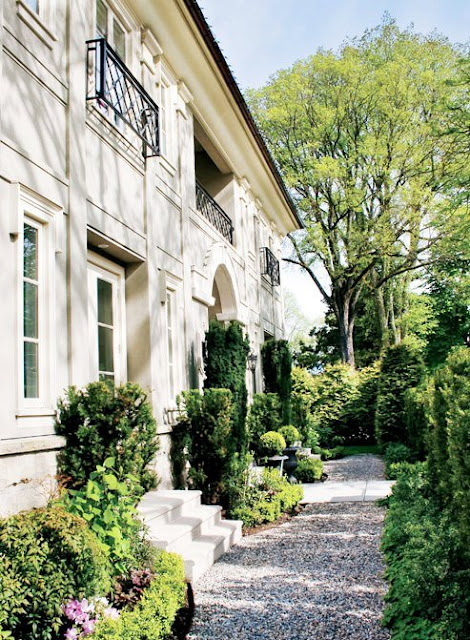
x,y
47,556
154,614
102,421
309,470
277,370
402,368
264,414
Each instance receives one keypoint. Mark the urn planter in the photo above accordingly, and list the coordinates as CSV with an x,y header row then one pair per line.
x,y
290,465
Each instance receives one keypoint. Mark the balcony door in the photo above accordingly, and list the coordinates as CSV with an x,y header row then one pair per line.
x,y
106,320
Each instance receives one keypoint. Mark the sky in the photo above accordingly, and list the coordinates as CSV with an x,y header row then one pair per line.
x,y
259,37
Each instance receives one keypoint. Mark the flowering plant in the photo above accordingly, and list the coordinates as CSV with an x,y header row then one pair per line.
x,y
84,614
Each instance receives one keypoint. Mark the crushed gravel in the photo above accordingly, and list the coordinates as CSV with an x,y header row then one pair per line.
x,y
316,577
362,467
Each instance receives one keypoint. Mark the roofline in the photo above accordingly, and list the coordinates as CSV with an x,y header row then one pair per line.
x,y
209,39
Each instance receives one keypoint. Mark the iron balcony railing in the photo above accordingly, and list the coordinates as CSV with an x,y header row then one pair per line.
x,y
270,266
208,207
113,86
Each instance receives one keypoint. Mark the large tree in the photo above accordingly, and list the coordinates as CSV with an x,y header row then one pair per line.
x,y
355,134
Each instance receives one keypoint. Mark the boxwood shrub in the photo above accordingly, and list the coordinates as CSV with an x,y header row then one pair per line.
x,y
309,470
47,556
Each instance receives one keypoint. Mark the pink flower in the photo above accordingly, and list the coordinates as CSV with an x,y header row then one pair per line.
x,y
88,627
72,634
111,612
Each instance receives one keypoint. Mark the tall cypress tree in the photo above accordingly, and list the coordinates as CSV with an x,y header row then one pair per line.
x,y
277,370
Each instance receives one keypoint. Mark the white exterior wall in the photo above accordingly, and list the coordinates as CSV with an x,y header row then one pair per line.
x,y
96,192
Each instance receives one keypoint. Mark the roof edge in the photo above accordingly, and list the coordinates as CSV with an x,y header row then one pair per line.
x,y
219,58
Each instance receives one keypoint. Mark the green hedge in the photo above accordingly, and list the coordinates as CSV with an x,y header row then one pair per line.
x,y
309,470
429,584
264,414
277,368
47,556
153,616
102,421
402,368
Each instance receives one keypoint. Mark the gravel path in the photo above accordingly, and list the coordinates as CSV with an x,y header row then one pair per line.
x,y
363,467
316,577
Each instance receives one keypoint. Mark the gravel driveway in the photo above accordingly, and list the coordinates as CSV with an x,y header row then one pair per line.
x,y
316,577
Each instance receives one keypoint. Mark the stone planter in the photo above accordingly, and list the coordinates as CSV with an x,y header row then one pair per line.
x,y
276,462
290,465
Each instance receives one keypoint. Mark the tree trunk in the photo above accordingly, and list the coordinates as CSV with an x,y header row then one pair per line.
x,y
345,317
382,317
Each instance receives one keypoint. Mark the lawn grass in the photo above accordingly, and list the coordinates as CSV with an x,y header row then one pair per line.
x,y
358,450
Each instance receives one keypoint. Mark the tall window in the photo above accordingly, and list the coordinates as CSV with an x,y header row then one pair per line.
x,y
109,27
164,91
33,4
170,342
106,320
32,337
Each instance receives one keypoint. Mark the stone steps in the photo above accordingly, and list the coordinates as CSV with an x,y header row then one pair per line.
x,y
177,521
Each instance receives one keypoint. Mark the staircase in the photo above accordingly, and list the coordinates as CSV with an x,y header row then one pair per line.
x,y
176,521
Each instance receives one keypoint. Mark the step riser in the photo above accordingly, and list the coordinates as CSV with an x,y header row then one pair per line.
x,y
167,539
172,513
195,571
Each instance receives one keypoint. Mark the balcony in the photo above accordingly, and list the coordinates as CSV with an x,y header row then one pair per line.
x,y
208,207
270,266
113,87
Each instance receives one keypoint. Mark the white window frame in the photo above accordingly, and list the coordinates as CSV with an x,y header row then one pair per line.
x,y
104,269
166,104
174,369
46,218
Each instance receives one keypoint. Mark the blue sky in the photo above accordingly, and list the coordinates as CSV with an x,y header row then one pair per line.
x,y
258,37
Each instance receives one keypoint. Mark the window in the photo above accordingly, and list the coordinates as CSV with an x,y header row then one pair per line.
x,y
39,238
106,320
170,343
33,5
164,90
33,337
109,27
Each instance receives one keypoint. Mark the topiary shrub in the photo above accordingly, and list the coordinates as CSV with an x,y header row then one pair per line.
x,y
47,556
309,470
417,400
264,414
153,615
277,368
358,425
225,355
271,443
206,431
290,434
102,421
396,454
302,399
402,368
449,456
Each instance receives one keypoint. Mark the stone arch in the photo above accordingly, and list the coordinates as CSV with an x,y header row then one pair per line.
x,y
221,279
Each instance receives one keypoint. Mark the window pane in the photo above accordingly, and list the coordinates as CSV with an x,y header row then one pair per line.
x,y
106,377
119,40
30,310
34,4
105,302
31,386
101,19
105,350
30,252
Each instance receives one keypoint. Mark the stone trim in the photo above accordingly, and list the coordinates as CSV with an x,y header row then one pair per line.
x,y
40,444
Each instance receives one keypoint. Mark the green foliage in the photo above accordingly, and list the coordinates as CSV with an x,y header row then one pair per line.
x,y
395,455
417,401
272,443
154,614
309,470
264,414
303,397
402,368
205,438
290,434
225,355
266,501
47,556
449,439
277,369
102,421
429,592
107,503
359,413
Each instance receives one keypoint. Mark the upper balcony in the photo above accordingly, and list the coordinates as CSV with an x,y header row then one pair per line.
x,y
114,88
270,266
208,207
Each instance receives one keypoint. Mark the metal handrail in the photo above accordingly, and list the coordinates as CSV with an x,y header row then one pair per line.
x,y
112,84
208,207
270,266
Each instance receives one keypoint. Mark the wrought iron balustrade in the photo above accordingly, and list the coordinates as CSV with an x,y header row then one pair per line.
x,y
113,86
208,207
270,266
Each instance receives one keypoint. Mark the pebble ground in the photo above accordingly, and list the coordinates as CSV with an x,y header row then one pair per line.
x,y
316,577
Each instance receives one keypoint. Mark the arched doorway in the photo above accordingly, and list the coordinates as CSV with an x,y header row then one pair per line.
x,y
225,305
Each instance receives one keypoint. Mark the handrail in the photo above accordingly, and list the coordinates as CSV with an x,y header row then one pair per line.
x,y
211,210
270,266
112,84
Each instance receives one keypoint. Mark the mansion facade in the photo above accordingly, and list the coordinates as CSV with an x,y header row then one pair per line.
x,y
138,202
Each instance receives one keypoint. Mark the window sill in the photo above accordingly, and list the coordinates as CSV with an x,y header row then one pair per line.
x,y
35,23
